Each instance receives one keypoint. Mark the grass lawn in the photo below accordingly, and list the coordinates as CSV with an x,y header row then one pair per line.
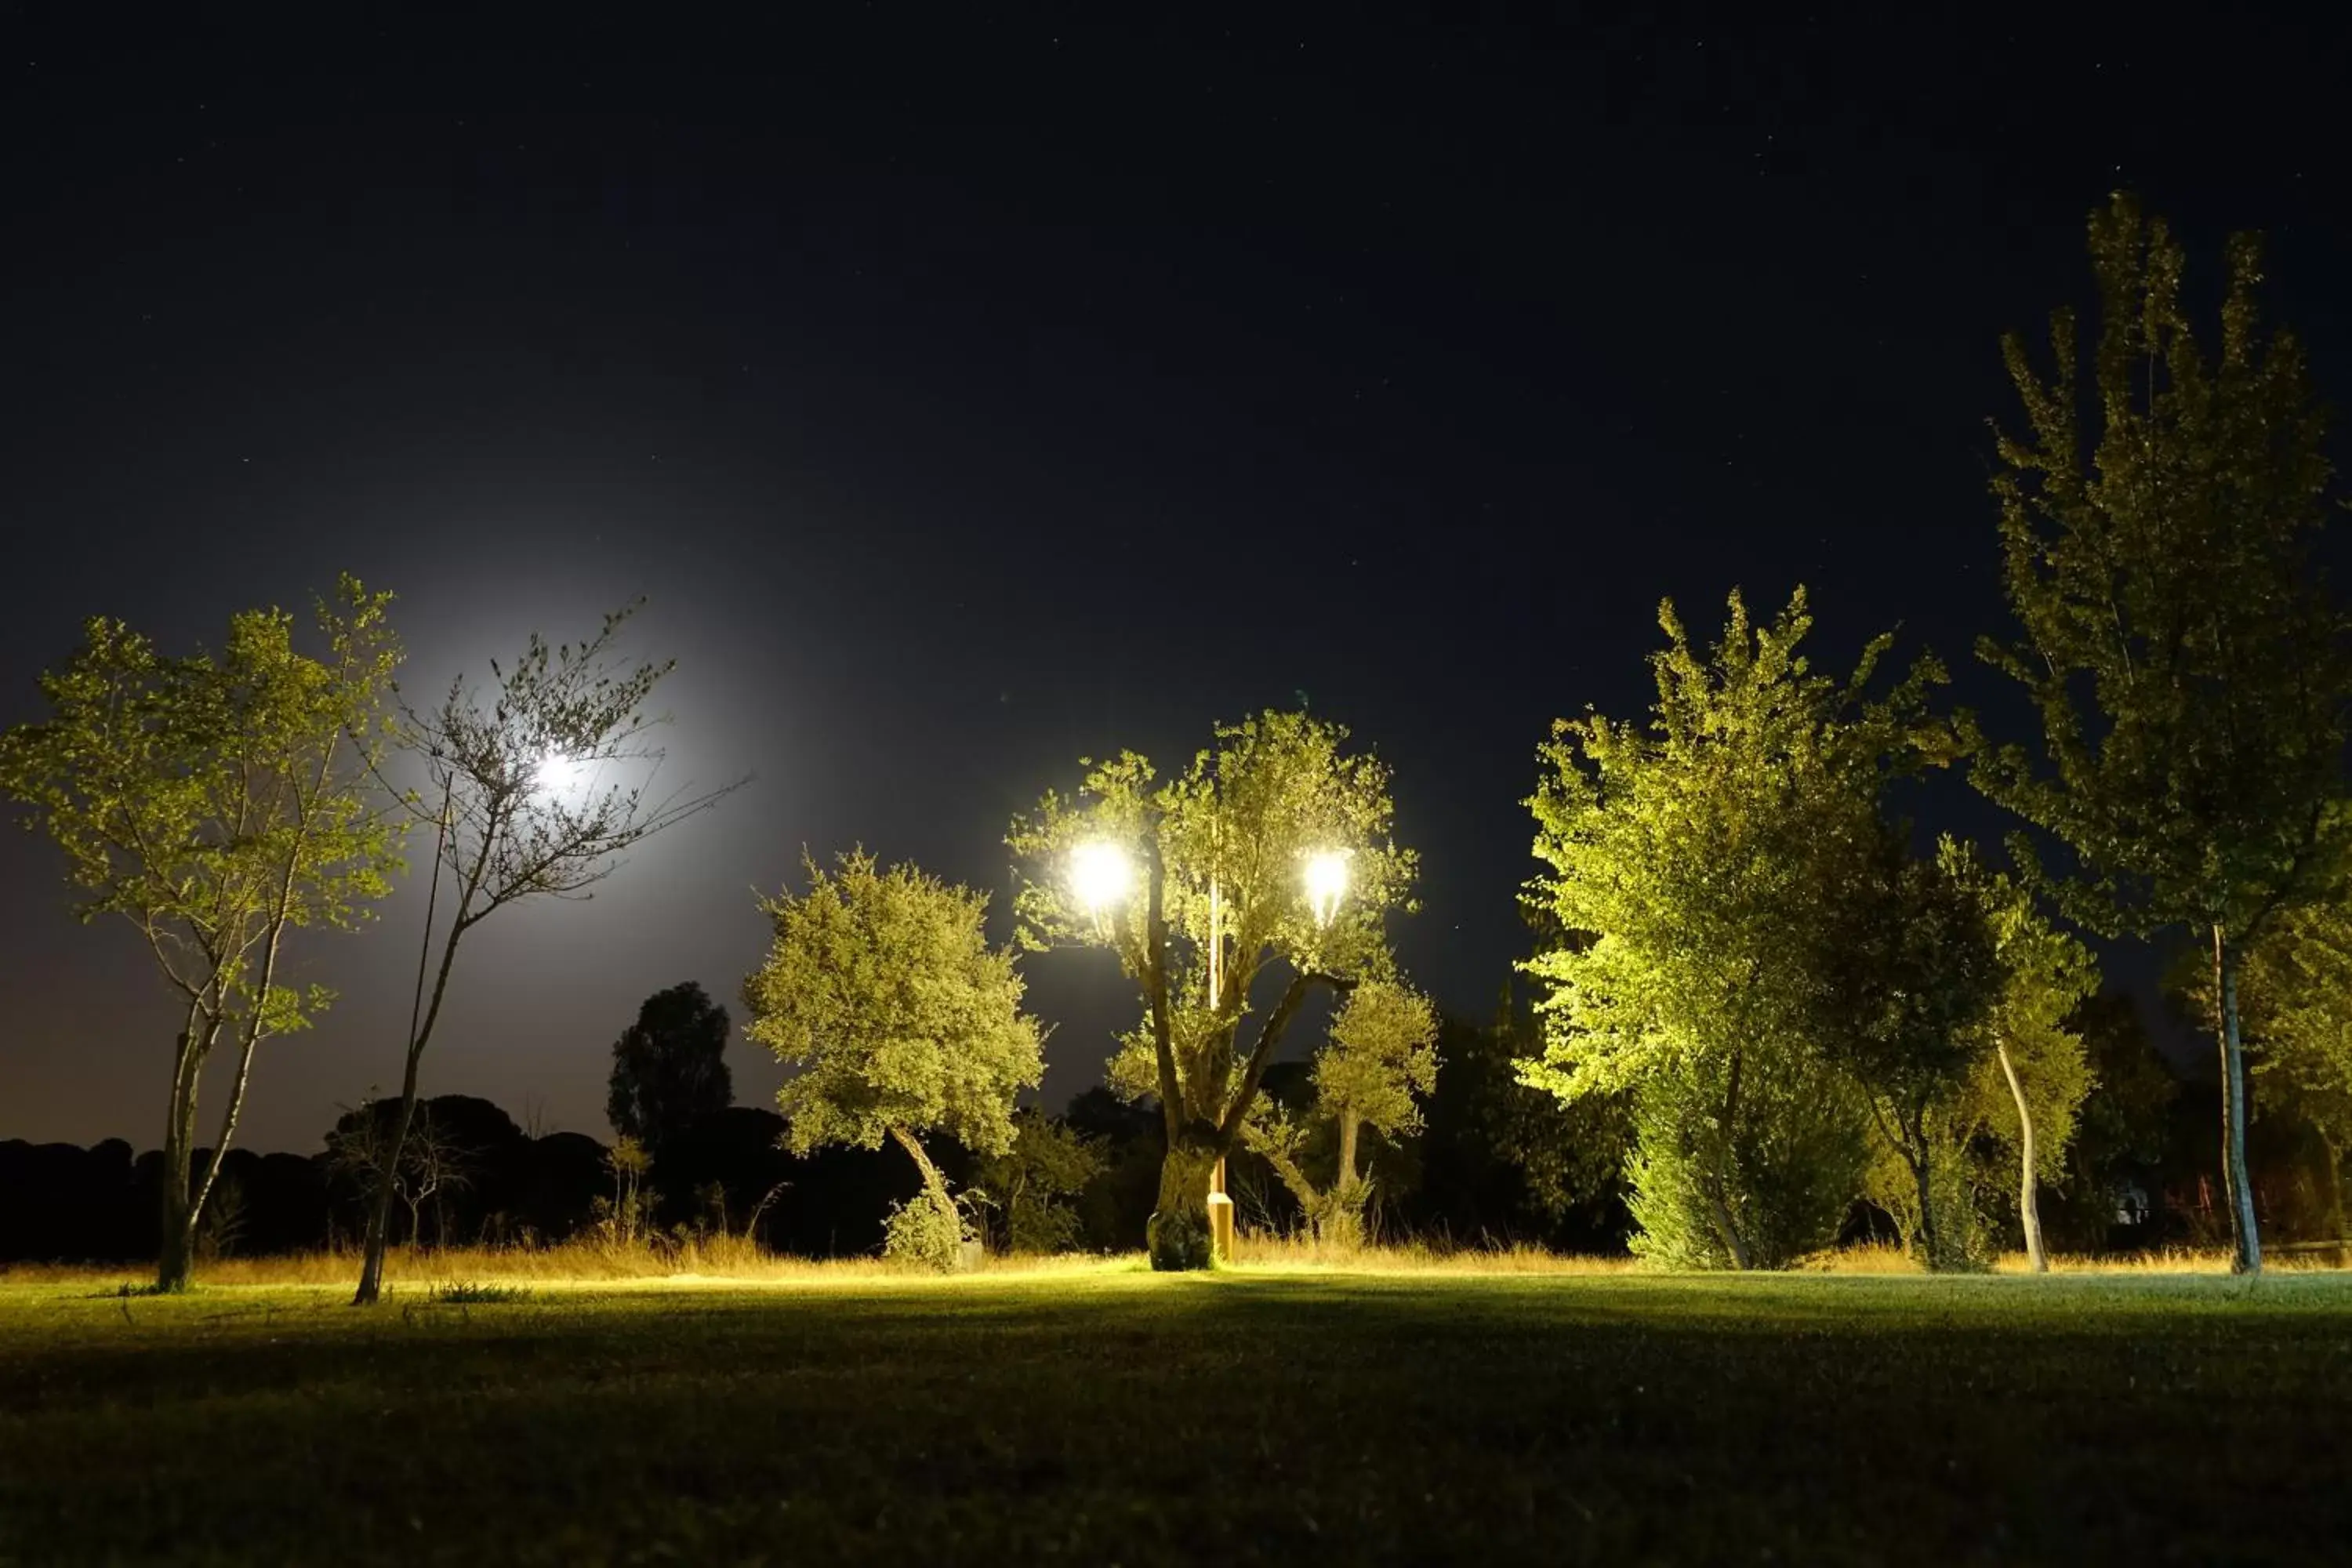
x,y
1113,1417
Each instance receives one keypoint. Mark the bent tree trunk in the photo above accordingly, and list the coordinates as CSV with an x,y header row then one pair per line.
x,y
2029,1211
2246,1250
934,1184
1178,1234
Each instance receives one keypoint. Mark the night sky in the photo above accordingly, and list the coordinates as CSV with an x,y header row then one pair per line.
x,y
970,394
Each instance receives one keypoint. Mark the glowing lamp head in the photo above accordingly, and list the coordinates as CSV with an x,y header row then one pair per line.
x,y
1327,883
1102,877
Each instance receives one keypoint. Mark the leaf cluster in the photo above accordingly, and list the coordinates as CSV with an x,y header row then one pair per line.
x,y
880,990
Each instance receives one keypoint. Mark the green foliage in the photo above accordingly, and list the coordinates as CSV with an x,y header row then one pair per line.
x,y
670,1067
928,1231
1966,1127
1220,858
1032,1185
2297,1001
1381,1059
1698,871
1757,1189
881,993
217,799
2186,660
215,802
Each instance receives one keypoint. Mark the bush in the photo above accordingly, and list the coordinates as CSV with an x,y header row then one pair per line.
x,y
1787,1170
927,1231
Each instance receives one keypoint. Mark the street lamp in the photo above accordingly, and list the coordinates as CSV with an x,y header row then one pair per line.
x,y
1101,876
1327,883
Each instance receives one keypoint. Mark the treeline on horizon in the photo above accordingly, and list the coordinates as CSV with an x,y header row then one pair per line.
x,y
1497,1163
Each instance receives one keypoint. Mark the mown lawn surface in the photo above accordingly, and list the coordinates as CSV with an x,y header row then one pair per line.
x,y
1119,1418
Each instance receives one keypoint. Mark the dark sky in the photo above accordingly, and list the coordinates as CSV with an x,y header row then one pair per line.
x,y
970,392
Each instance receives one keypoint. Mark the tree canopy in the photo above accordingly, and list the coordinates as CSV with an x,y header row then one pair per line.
x,y
2175,635
1272,852
215,801
670,1067
880,991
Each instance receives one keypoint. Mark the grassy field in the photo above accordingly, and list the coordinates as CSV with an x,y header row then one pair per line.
x,y
1109,1416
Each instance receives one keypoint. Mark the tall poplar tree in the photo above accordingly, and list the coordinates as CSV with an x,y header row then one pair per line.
x,y
2187,661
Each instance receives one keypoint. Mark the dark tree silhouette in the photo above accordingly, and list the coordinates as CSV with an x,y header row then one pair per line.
x,y
670,1068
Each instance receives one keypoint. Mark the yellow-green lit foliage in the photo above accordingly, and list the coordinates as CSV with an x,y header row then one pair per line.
x,y
879,989
1381,1059
1245,815
1690,863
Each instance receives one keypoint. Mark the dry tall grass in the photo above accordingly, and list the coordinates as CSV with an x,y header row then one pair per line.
x,y
732,1260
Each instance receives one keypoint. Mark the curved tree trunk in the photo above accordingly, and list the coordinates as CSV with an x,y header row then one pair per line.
x,y
2246,1252
933,1183
2029,1211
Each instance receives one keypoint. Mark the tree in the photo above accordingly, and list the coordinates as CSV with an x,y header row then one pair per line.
x,y
2038,1053
428,1164
2297,1001
1382,1055
2185,657
670,1067
538,787
217,802
1030,1186
1270,854
1909,970
880,990
1690,864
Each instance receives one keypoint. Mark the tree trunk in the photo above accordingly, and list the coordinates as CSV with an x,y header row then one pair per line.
x,y
1178,1234
2029,1211
2333,1171
933,1183
176,1239
1931,1249
1726,1230
1351,1122
2246,1252
379,1230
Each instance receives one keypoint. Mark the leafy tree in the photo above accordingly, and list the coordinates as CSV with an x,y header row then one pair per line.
x,y
2185,657
1030,1187
1240,857
880,989
1689,863
2038,1054
1909,970
1382,1056
670,1067
217,802
2296,1005
538,787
